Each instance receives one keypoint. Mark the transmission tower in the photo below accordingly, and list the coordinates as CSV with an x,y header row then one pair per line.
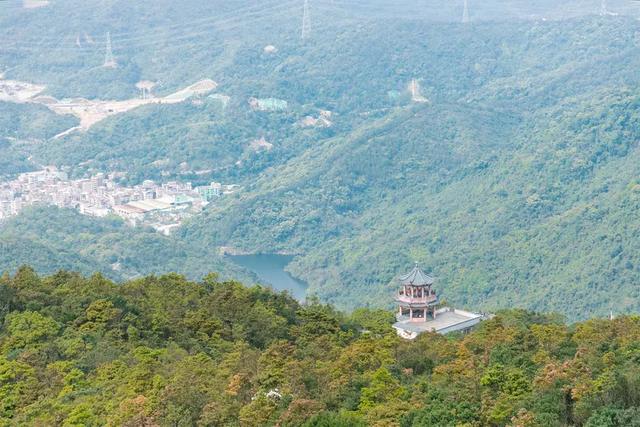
x,y
414,89
306,21
603,8
109,59
465,12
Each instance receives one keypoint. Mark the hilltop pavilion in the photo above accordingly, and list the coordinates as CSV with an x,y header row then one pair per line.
x,y
418,310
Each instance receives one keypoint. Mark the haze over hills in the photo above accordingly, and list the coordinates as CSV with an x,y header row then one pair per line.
x,y
516,182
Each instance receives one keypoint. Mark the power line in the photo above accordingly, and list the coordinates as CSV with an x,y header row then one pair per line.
x,y
485,11
167,36
237,14
241,16
159,37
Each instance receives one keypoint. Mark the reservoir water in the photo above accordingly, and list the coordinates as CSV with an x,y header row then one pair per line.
x,y
270,269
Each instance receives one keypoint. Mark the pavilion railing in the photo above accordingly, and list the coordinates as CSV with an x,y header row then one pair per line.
x,y
410,299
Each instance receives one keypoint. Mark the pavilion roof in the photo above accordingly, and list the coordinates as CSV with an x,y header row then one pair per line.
x,y
416,277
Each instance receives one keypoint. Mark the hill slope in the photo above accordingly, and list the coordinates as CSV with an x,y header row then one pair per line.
x,y
518,194
516,182
51,239
165,351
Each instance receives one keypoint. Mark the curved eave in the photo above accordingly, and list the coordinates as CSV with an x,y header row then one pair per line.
x,y
416,304
416,278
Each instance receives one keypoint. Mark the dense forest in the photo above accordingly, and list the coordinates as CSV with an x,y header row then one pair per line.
x,y
516,183
55,239
164,351
501,153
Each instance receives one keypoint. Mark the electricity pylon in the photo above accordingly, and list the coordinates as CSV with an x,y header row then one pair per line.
x,y
306,21
109,59
416,96
465,12
603,8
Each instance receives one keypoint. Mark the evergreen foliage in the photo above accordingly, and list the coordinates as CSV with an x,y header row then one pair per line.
x,y
162,350
517,183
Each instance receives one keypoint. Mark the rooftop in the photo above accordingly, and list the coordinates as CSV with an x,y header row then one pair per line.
x,y
150,205
447,320
128,209
416,277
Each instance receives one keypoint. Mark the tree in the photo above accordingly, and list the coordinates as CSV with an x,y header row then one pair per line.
x,y
28,329
332,419
18,387
259,412
382,389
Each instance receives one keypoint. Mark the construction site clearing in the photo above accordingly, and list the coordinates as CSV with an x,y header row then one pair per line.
x,y
90,112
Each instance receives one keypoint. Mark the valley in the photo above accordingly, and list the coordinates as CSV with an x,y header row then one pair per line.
x,y
515,183
381,213
270,269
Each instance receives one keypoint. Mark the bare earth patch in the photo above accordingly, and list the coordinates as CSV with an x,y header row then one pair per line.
x,y
91,112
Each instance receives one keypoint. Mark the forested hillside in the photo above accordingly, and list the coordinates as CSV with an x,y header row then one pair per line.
x,y
516,182
51,239
161,350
